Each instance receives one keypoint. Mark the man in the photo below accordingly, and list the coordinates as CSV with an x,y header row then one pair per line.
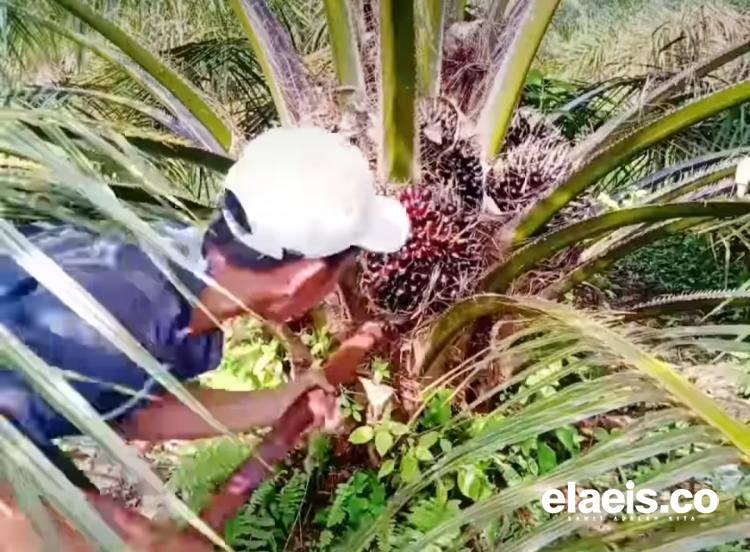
x,y
298,206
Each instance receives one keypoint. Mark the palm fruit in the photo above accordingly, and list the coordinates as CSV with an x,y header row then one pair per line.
x,y
460,172
535,156
449,164
442,255
528,125
524,173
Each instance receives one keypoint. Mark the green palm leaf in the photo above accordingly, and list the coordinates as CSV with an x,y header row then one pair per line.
x,y
34,473
499,278
625,149
600,262
156,69
283,71
466,312
528,23
398,90
189,126
686,302
657,96
50,383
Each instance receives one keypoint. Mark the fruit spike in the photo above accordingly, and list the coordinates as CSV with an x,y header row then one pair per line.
x,y
433,265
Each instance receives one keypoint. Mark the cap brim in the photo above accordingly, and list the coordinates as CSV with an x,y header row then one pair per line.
x,y
387,226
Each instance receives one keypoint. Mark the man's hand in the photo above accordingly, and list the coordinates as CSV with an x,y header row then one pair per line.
x,y
341,368
325,409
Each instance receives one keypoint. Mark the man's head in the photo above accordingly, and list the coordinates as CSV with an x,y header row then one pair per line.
x,y
299,205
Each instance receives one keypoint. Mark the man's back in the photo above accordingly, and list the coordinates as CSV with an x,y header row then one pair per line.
x,y
123,278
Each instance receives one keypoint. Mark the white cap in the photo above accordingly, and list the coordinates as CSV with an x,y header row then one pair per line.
x,y
310,191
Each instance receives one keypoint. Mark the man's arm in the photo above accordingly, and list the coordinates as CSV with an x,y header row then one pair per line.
x,y
238,411
241,411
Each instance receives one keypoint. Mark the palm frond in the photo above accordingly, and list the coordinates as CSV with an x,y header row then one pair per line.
x,y
430,24
50,383
528,22
284,73
598,343
695,301
342,32
33,473
398,90
655,179
599,262
158,70
502,275
625,149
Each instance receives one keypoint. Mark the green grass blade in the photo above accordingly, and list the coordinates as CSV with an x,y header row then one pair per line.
x,y
625,149
342,33
430,22
528,23
182,89
282,68
50,383
500,277
18,453
398,90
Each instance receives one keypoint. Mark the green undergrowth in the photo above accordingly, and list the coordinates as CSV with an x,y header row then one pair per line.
x,y
681,264
318,501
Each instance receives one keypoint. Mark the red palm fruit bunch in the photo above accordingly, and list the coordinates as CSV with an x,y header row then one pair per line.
x,y
451,242
442,258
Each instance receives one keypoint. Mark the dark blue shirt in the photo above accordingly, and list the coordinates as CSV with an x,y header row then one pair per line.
x,y
125,280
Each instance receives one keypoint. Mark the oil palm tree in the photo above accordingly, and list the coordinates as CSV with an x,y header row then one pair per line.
x,y
505,222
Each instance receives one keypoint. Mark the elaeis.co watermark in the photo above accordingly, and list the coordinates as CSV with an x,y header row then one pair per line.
x,y
582,504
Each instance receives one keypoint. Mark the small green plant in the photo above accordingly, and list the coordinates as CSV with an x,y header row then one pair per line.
x,y
438,411
350,408
207,467
357,502
266,521
252,361
320,341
